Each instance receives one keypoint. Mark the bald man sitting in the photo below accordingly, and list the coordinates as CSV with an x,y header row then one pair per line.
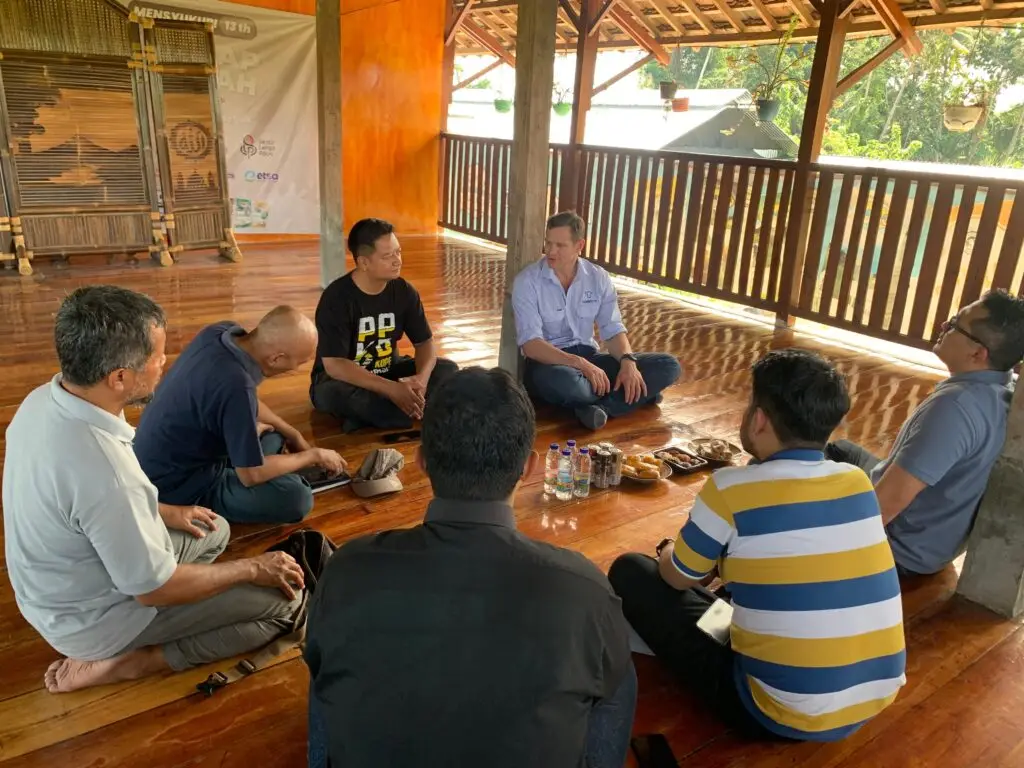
x,y
206,439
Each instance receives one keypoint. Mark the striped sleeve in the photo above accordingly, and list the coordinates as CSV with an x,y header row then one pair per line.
x,y
704,538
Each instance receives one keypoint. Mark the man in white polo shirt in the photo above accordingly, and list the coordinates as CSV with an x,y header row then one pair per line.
x,y
122,586
558,302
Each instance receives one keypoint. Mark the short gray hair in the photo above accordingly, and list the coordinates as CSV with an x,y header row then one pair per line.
x,y
103,328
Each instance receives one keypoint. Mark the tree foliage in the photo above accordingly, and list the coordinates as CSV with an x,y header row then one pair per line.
x,y
896,112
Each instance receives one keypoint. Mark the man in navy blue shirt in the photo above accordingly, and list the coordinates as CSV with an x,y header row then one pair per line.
x,y
200,440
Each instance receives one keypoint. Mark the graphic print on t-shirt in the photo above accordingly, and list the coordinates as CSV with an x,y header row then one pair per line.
x,y
374,342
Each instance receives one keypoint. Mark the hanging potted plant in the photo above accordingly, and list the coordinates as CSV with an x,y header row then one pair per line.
x,y
782,67
562,103
965,107
968,98
668,89
501,104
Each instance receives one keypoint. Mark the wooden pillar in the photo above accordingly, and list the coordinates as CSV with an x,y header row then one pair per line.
x,y
328,81
528,174
821,90
993,573
586,62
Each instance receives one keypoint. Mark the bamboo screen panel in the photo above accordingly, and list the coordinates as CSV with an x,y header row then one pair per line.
x,y
192,145
65,27
175,45
74,134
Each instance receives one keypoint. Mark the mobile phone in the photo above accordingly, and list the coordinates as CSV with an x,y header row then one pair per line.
x,y
717,622
653,751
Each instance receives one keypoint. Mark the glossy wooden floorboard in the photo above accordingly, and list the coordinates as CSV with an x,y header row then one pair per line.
x,y
956,649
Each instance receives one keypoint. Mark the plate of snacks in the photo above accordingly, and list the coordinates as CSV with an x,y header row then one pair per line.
x,y
681,461
717,453
645,468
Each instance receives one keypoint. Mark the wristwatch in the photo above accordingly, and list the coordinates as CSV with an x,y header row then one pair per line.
x,y
628,356
664,543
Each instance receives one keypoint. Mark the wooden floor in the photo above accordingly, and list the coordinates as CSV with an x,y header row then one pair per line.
x,y
962,706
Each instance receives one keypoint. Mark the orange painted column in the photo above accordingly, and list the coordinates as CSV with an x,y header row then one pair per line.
x,y
392,55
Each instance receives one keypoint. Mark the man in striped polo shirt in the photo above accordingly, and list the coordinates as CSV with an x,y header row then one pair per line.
x,y
816,647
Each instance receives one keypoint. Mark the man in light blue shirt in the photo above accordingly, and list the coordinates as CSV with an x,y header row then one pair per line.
x,y
558,302
930,485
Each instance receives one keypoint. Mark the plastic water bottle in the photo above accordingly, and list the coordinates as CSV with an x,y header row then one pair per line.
x,y
551,469
563,487
581,479
571,447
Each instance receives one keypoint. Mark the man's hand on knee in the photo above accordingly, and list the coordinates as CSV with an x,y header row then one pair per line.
x,y
185,518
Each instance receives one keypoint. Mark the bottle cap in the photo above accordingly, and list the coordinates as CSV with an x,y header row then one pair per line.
x,y
567,452
585,450
554,446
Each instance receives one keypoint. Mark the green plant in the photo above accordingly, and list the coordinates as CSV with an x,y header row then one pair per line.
x,y
785,64
561,95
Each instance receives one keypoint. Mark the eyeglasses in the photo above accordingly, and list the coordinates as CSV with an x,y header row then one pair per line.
x,y
953,324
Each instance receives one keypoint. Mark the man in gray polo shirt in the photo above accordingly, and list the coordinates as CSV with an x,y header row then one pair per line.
x,y
121,585
930,485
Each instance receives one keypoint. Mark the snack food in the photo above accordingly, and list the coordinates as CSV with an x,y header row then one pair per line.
x,y
644,466
681,460
716,450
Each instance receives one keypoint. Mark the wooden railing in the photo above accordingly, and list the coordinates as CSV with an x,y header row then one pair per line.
x,y
886,253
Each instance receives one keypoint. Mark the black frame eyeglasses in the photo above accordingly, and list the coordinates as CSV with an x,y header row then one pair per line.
x,y
953,324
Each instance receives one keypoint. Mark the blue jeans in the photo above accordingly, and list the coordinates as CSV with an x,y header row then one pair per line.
x,y
565,387
285,499
608,729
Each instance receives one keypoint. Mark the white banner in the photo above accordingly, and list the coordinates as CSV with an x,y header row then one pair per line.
x,y
266,72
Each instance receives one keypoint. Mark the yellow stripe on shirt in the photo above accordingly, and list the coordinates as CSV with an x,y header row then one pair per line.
x,y
818,652
772,493
712,498
841,718
810,569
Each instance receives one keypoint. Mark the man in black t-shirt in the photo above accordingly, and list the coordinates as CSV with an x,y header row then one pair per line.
x,y
358,376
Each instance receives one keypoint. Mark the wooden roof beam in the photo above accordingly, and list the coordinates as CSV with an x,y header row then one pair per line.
x,y
641,17
987,5
488,41
939,6
869,66
702,18
892,16
662,7
732,16
641,36
567,9
477,75
457,22
493,25
801,10
600,15
624,73
764,13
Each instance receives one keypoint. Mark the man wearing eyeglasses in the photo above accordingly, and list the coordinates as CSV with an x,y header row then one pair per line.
x,y
930,485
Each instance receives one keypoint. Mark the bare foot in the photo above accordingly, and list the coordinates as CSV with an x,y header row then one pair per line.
x,y
69,675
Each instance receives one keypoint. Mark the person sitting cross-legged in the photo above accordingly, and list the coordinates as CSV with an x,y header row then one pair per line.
x,y
931,483
557,302
122,585
359,377
461,642
816,647
208,439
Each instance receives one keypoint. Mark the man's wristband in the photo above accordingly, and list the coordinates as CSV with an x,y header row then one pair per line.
x,y
628,356
664,543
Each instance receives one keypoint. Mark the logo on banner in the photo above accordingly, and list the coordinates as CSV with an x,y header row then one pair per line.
x,y
252,147
239,27
191,140
260,176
